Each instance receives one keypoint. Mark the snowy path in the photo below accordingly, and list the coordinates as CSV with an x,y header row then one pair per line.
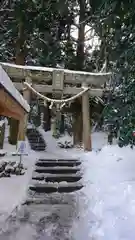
x,y
103,210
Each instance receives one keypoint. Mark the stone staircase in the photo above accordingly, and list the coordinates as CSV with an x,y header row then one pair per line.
x,y
55,176
52,204
35,139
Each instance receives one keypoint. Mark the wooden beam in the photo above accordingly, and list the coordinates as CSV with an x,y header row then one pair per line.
x,y
67,90
10,114
10,106
46,74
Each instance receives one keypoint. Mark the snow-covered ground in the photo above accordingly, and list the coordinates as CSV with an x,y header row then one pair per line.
x,y
107,201
13,189
109,195
107,210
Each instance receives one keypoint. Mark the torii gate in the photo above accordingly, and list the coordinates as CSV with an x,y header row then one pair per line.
x,y
43,80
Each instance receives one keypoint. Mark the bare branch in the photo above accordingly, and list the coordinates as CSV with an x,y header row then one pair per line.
x,y
6,10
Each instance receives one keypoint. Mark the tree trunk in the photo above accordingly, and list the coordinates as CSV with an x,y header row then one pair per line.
x,y
20,60
2,135
47,118
80,60
20,45
80,66
62,125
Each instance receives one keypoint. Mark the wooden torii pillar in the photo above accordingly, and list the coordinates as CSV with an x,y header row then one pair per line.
x,y
57,91
86,121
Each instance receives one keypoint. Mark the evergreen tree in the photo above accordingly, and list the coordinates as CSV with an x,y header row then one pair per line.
x,y
115,24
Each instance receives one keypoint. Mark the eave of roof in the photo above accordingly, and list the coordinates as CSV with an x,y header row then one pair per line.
x,y
8,85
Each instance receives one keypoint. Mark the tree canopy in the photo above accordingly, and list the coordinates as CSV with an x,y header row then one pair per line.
x,y
60,33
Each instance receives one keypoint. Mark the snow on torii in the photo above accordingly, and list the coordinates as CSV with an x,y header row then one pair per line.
x,y
45,74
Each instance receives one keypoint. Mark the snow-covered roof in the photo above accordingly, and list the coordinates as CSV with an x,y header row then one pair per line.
x,y
10,88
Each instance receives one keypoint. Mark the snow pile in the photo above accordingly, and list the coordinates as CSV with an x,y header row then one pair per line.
x,y
65,142
107,208
2,153
13,189
11,168
65,138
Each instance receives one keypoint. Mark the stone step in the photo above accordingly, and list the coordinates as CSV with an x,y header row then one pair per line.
x,y
53,198
57,177
37,201
54,163
57,170
52,187
59,159
37,147
35,139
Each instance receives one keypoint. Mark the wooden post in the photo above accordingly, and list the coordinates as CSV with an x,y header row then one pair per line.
x,y
22,128
2,135
23,122
86,121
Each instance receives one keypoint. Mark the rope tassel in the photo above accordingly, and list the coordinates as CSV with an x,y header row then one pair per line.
x,y
45,103
62,105
50,107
